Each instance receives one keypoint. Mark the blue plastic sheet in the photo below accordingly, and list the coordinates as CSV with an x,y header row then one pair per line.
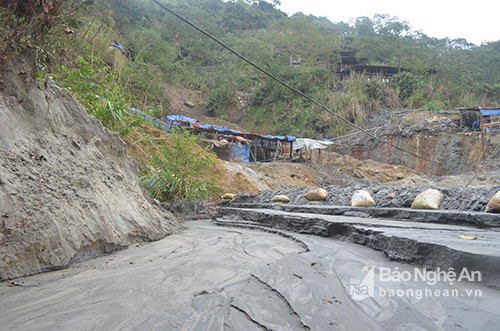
x,y
120,46
490,112
181,118
205,126
239,151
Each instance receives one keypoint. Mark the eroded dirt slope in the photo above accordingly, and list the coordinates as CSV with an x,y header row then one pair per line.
x,y
67,186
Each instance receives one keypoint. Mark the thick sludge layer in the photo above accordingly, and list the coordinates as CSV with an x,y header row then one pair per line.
x,y
422,244
219,278
450,217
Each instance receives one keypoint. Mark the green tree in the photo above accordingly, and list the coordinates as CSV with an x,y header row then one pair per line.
x,y
407,83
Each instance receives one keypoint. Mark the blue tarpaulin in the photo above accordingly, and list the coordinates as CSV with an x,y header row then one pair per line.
x,y
176,119
146,117
280,138
193,121
120,46
239,151
181,118
490,112
205,126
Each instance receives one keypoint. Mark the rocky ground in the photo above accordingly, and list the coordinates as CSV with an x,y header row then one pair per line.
x,y
442,241
455,197
447,148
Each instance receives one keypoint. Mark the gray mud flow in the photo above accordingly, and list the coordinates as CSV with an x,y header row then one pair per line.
x,y
427,239
215,278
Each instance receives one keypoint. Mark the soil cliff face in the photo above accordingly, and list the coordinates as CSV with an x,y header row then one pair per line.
x,y
453,150
67,186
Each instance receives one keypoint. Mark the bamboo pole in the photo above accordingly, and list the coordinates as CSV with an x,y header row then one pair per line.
x,y
482,136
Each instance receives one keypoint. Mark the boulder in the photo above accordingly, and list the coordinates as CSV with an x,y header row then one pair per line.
x,y
228,196
362,199
316,195
280,199
429,199
494,204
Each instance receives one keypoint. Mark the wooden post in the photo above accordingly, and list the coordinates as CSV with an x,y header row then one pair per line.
x,y
255,153
482,135
277,150
251,153
481,125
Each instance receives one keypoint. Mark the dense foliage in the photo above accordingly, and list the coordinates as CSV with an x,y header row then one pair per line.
x,y
73,41
441,73
179,171
70,48
435,73
96,88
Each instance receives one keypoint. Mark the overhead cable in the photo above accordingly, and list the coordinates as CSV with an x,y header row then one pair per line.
x,y
302,94
483,165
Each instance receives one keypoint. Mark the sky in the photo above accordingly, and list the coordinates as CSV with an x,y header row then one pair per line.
x,y
477,21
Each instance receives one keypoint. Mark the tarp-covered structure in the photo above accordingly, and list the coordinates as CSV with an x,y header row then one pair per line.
x,y
471,117
490,111
242,145
257,147
311,144
177,119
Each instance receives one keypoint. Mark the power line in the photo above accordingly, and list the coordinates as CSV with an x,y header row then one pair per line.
x,y
302,94
483,165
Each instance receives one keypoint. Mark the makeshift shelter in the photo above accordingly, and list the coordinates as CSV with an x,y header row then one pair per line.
x,y
482,119
250,147
237,147
478,117
260,148
488,112
310,144
304,147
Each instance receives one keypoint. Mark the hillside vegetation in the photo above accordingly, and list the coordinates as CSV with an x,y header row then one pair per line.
x,y
441,73
72,42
